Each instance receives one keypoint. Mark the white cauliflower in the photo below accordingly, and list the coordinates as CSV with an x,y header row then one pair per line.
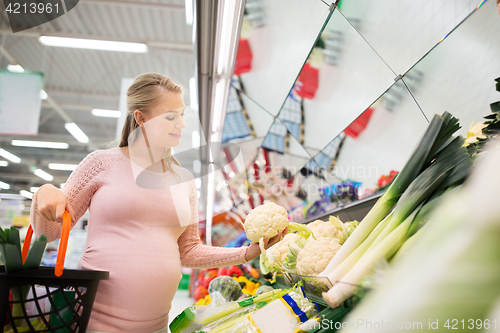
x,y
316,255
279,251
333,229
314,224
265,220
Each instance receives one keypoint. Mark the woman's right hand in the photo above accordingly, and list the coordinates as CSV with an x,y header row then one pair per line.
x,y
52,203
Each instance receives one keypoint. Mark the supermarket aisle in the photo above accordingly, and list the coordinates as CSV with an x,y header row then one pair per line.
x,y
180,302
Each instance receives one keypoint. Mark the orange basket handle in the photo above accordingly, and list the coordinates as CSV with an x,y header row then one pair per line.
x,y
27,241
63,243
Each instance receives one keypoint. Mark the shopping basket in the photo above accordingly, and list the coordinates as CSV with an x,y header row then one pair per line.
x,y
59,303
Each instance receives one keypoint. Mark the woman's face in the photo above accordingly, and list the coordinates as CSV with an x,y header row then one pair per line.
x,y
165,122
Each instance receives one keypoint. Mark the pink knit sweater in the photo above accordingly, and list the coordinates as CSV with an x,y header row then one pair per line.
x,y
141,236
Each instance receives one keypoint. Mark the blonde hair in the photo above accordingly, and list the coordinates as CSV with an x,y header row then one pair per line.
x,y
144,94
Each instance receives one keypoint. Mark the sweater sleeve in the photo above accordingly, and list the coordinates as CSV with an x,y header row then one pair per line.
x,y
196,255
79,188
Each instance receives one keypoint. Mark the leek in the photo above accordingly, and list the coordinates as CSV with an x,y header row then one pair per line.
x,y
356,267
453,274
426,183
431,142
346,288
344,267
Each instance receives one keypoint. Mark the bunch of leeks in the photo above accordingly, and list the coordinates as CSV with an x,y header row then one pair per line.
x,y
450,280
439,162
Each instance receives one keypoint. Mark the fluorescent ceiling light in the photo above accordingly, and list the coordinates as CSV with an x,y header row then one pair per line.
x,y
106,113
4,163
26,194
76,132
189,12
11,196
93,44
34,189
42,174
60,166
4,186
9,156
43,94
40,144
15,68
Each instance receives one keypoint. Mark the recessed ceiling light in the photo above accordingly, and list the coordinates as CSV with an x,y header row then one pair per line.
x,y
9,156
40,144
106,113
93,44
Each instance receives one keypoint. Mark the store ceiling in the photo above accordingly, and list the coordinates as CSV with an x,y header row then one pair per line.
x,y
79,80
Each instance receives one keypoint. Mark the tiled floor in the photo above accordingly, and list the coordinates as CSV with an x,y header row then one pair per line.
x,y
180,302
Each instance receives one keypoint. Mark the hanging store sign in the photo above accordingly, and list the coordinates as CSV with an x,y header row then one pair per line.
x,y
20,102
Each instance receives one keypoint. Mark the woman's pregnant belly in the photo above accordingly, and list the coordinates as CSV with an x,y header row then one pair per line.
x,y
143,277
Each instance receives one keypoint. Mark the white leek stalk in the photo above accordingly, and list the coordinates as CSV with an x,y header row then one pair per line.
x,y
346,287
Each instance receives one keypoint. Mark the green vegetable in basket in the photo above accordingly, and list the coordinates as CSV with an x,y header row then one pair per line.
x,y
224,289
10,250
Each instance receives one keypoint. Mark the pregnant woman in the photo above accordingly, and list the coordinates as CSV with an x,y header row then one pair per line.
x,y
143,223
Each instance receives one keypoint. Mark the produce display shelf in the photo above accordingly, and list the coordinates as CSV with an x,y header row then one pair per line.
x,y
355,210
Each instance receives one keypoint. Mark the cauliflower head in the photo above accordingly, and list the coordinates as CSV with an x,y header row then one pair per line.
x,y
326,229
265,220
279,251
316,255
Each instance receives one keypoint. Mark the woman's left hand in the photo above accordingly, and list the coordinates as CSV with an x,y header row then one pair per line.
x,y
253,251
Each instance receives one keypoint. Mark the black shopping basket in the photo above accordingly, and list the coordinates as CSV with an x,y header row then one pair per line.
x,y
70,299
58,300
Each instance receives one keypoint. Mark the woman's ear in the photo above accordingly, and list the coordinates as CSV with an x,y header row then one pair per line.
x,y
139,117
